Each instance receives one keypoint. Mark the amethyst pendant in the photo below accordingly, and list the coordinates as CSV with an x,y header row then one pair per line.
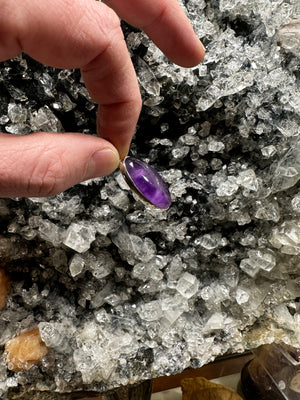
x,y
146,182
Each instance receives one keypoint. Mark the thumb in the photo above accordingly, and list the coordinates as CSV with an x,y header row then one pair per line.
x,y
44,164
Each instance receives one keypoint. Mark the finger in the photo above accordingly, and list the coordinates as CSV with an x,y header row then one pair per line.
x,y
166,24
111,81
82,34
44,164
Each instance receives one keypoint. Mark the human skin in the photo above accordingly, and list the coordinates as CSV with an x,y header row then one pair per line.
x,y
84,34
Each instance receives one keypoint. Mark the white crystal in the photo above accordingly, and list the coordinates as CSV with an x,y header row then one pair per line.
x,y
216,146
46,81
98,352
258,259
151,311
120,200
180,152
268,151
132,247
18,129
209,241
79,236
216,321
242,295
188,285
101,264
17,113
287,170
289,37
267,210
174,270
76,265
44,120
286,237
214,294
65,103
50,232
264,257
227,188
146,78
295,203
56,335
248,179
172,307
147,271
3,119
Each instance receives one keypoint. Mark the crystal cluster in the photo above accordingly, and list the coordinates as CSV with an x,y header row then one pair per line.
x,y
121,292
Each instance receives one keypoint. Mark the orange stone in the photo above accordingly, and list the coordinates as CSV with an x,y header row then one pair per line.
x,y
25,350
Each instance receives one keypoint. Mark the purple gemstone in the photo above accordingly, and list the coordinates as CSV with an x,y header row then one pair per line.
x,y
146,182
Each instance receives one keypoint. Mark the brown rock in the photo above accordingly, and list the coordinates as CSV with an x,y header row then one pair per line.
x,y
4,287
25,350
203,389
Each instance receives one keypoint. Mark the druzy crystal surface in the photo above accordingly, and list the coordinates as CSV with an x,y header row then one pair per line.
x,y
147,182
121,292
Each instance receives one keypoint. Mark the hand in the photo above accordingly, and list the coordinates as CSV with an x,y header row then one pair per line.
x,y
84,34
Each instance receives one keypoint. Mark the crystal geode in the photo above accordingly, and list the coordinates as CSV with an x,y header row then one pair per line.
x,y
121,292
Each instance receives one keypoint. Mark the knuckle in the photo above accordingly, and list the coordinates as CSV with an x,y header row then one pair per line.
x,y
111,20
101,19
46,177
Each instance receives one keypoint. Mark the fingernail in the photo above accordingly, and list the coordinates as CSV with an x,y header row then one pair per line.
x,y
103,162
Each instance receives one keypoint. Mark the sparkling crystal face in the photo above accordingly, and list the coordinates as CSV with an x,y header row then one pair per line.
x,y
146,182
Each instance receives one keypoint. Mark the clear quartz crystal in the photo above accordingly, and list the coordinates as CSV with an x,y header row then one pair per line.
x,y
287,170
147,78
133,248
296,203
286,237
289,36
248,180
258,260
151,311
187,285
172,307
76,265
267,210
50,232
216,321
242,296
216,146
79,237
44,120
268,151
17,113
228,188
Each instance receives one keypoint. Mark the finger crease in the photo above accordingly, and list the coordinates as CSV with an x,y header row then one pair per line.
x,y
156,20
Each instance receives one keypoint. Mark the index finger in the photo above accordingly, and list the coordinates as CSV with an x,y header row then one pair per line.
x,y
83,34
166,24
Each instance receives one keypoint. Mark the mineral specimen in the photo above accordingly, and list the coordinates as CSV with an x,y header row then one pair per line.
x,y
25,350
